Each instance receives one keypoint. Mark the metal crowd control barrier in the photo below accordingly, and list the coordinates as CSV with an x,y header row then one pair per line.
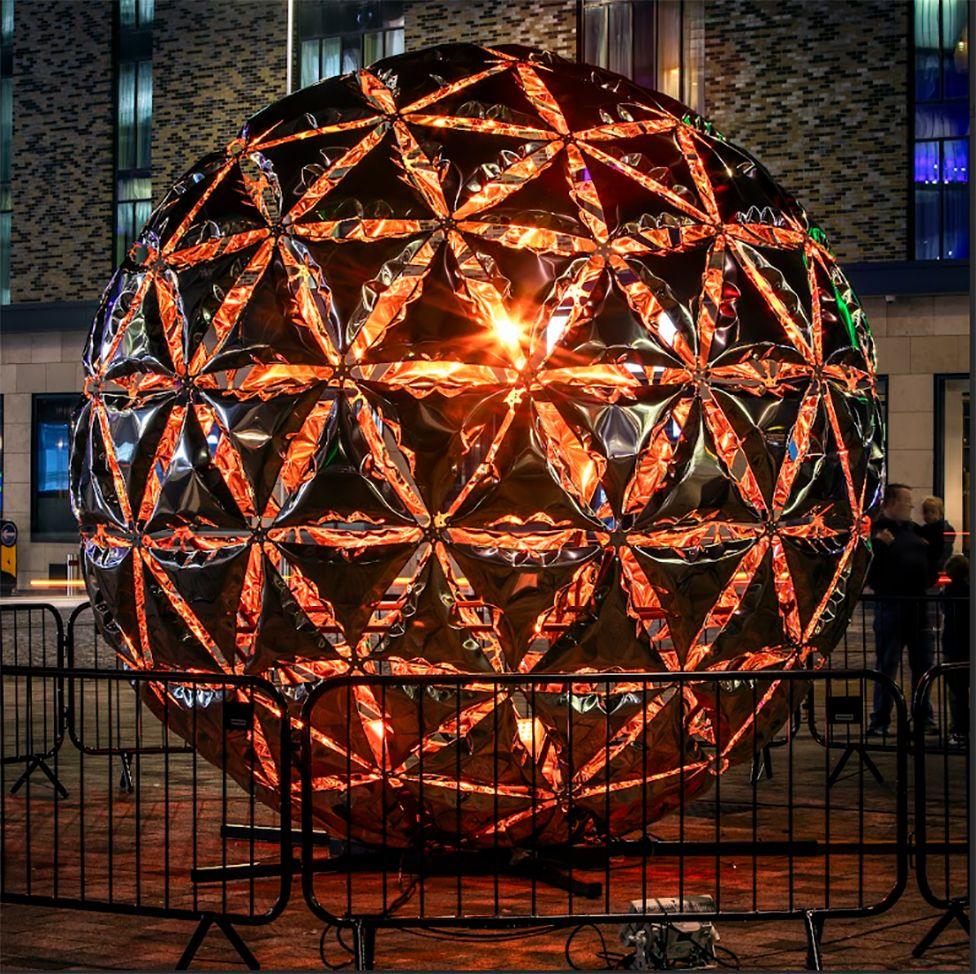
x,y
755,859
762,764
87,648
803,852
32,635
919,618
942,795
148,852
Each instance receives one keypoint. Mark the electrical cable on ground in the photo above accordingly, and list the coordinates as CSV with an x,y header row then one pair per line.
x,y
611,961
342,965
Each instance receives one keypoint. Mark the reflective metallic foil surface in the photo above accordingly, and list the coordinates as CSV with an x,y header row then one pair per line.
x,y
480,361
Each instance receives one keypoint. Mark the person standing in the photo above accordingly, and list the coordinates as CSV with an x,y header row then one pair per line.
x,y
955,644
939,536
899,576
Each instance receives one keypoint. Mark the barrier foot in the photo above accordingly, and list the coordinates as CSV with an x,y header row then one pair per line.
x,y
550,874
244,952
814,923
33,764
866,760
125,775
872,767
268,833
762,765
193,944
956,911
240,871
364,945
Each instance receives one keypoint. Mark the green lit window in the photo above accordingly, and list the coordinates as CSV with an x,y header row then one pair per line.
x,y
134,115
133,122
133,205
136,14
337,37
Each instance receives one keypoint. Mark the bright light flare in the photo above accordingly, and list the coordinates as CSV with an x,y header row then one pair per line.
x,y
509,332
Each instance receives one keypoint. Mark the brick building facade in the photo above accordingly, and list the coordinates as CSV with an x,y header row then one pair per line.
x,y
830,119
818,91
206,81
828,116
538,23
62,154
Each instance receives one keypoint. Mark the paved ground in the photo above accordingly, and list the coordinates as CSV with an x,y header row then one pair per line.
x,y
173,819
40,939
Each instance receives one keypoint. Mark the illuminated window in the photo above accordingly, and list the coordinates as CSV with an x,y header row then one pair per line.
x,y
6,134
51,517
660,45
336,37
133,122
941,136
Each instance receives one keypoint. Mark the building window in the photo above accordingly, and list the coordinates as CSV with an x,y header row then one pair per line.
x,y
133,122
336,37
6,136
658,45
953,475
51,516
941,130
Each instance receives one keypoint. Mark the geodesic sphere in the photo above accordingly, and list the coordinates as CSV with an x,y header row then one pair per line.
x,y
480,361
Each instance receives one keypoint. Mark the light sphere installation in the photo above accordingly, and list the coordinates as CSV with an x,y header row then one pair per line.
x,y
480,361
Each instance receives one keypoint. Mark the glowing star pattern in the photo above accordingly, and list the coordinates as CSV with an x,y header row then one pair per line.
x,y
481,361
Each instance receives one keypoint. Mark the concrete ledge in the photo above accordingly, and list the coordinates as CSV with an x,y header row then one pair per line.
x,y
34,316
909,277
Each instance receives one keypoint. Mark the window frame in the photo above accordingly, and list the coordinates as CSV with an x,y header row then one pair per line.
x,y
646,33
37,533
131,45
342,11
939,141
940,381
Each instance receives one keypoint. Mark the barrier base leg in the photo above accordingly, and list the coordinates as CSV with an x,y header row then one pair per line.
x,y
546,871
814,924
762,765
551,874
866,760
193,944
956,911
33,764
125,775
364,945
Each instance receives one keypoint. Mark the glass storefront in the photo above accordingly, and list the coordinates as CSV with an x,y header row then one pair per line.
x,y
51,516
953,476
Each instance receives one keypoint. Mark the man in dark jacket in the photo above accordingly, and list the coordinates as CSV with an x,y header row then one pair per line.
x,y
899,575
